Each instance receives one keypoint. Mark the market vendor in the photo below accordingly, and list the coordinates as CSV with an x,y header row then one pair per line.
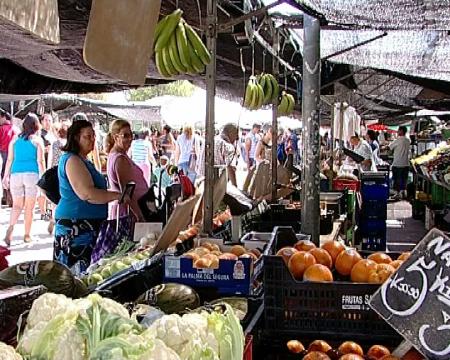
x,y
84,200
362,148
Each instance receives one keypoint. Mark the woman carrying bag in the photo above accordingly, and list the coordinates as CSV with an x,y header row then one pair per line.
x,y
84,198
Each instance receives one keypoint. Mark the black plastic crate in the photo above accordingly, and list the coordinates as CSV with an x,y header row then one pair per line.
x,y
339,310
269,225
129,284
374,210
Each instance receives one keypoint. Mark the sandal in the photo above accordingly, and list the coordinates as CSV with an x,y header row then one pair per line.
x,y
27,239
8,235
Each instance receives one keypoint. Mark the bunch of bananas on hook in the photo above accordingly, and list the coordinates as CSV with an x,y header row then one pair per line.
x,y
261,90
286,105
178,48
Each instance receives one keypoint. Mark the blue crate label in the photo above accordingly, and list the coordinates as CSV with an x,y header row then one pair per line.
x,y
239,271
172,268
355,302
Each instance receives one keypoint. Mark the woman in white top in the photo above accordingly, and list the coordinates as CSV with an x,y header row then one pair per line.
x,y
185,157
141,152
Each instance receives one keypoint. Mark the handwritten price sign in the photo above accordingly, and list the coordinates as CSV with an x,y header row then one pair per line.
x,y
416,299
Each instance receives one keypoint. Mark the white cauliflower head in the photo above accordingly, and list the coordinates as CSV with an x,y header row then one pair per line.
x,y
8,353
46,307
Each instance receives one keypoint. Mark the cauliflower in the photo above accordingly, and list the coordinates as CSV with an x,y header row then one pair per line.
x,y
46,307
188,336
8,353
109,305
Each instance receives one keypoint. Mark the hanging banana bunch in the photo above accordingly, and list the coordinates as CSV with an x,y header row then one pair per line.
x,y
261,90
286,105
178,48
254,94
270,87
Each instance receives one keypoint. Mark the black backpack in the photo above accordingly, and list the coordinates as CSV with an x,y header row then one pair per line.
x,y
49,183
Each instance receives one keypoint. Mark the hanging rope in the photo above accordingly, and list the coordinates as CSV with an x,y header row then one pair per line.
x,y
199,13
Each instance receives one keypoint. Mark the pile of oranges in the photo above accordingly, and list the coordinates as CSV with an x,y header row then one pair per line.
x,y
348,350
310,263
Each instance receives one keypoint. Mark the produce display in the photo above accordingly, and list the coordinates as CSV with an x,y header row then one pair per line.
x,y
286,105
308,263
108,267
435,164
261,90
218,221
178,48
98,328
208,255
348,350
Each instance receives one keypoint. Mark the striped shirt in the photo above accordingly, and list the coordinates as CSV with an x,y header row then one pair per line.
x,y
139,151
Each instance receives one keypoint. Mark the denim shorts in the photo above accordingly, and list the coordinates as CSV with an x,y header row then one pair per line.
x,y
24,184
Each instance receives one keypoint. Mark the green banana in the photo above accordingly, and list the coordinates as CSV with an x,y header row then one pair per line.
x,y
291,104
167,30
159,28
160,64
248,96
267,90
167,62
255,96
182,44
261,79
260,96
275,88
284,103
174,56
196,63
199,47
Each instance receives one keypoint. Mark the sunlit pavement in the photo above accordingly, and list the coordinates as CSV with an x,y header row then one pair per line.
x,y
41,248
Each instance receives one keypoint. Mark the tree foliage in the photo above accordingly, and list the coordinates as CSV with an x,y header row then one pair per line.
x,y
176,88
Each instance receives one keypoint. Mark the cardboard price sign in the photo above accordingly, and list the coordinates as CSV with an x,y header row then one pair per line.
x,y
415,301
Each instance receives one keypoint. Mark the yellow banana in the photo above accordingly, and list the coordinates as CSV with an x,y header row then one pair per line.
x,y
167,62
174,57
196,63
160,64
168,28
199,47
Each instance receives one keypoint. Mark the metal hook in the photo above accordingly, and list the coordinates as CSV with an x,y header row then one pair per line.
x,y
264,61
253,58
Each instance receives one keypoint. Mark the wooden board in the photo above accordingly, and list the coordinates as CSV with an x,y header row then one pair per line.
x,y
119,38
220,188
179,220
39,17
415,301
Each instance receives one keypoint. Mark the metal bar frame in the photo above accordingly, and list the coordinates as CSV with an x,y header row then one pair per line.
x,y
211,42
275,71
362,43
342,78
377,97
372,90
229,24
311,122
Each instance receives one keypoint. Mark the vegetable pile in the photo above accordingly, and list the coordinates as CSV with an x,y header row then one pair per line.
x,y
97,328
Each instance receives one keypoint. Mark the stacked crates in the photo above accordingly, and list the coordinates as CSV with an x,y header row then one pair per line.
x,y
372,220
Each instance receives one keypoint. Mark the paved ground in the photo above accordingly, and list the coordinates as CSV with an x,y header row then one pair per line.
x,y
40,248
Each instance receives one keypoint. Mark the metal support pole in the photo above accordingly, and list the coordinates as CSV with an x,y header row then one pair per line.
x,y
211,42
275,70
311,123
